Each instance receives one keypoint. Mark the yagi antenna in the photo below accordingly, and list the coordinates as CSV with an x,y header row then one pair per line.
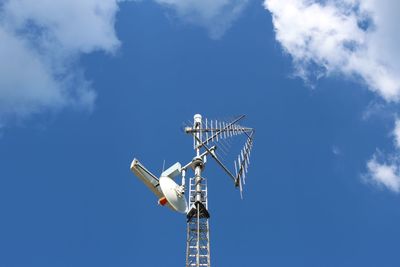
x,y
223,129
207,136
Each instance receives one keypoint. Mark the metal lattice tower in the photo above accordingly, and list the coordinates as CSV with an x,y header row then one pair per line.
x,y
198,234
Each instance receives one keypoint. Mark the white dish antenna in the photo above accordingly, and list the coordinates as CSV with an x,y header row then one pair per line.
x,y
168,192
173,193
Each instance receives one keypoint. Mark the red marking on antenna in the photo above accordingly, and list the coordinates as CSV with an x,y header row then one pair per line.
x,y
162,201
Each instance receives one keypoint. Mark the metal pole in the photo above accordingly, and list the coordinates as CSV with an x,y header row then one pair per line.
x,y
197,172
197,251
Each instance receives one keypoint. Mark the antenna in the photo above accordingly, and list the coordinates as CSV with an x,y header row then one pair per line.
x,y
207,136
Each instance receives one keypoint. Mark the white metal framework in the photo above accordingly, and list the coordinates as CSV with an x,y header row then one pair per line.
x,y
198,234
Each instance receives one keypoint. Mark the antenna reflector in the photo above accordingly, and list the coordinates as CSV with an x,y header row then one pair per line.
x,y
174,197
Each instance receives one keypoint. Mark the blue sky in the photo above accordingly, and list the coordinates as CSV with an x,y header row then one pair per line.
x,y
79,98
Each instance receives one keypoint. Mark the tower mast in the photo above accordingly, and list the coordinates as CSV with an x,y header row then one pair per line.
x,y
198,233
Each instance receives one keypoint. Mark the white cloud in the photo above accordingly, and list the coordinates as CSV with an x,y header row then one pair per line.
x,y
384,174
396,133
215,15
385,171
40,42
26,83
73,25
355,38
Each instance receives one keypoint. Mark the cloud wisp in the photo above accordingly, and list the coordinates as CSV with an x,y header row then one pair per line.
x,y
384,171
40,42
353,38
215,15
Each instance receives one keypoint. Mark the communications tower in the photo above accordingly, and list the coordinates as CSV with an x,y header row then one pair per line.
x,y
206,136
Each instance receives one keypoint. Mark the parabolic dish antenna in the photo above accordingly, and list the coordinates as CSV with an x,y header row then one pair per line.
x,y
170,191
